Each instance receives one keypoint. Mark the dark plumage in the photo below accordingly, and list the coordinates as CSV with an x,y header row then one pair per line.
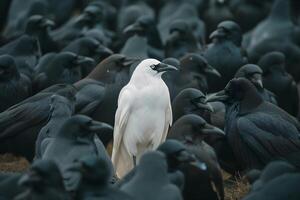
x,y
76,137
186,11
25,51
136,47
76,26
100,100
61,109
254,74
225,53
248,13
176,155
144,27
9,186
130,13
95,180
198,182
39,27
61,11
43,180
257,130
181,40
20,12
191,74
64,67
151,180
4,8
89,47
277,181
270,172
100,35
21,123
277,33
14,86
283,187
190,101
216,12
277,80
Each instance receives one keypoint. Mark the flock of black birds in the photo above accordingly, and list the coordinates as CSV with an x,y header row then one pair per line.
x,y
76,76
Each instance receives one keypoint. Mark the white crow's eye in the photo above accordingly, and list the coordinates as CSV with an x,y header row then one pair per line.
x,y
153,67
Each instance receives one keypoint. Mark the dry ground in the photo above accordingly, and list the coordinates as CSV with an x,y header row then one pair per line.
x,y
234,189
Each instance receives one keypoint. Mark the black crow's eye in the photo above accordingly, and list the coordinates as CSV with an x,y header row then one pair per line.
x,y
88,123
202,125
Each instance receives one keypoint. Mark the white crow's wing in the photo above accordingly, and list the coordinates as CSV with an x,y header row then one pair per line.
x,y
120,156
168,124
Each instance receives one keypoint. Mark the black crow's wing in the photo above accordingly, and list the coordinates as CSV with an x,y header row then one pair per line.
x,y
26,114
268,146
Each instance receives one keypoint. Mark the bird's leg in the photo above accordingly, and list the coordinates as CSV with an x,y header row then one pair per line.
x,y
134,160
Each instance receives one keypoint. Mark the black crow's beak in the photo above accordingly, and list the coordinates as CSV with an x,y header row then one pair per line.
x,y
104,51
48,23
99,127
209,129
174,35
133,28
186,157
256,79
210,70
81,60
219,96
205,106
219,33
162,67
200,103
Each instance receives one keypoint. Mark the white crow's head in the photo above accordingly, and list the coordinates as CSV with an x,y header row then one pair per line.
x,y
153,67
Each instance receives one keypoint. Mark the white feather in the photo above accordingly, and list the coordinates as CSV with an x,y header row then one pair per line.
x,y
143,117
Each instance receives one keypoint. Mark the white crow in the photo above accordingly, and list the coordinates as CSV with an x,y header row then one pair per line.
x,y
143,117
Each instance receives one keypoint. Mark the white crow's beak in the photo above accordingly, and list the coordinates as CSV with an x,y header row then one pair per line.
x,y
162,67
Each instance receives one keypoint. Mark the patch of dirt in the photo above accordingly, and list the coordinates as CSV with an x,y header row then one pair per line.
x,y
11,163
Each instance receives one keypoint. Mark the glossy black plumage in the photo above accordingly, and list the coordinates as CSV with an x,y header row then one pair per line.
x,y
43,180
14,85
151,178
225,53
254,74
192,73
39,27
281,83
95,180
190,101
76,137
55,68
61,109
25,51
257,130
279,34
21,123
199,183
277,181
109,76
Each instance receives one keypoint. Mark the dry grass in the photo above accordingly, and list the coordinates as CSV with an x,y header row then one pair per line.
x,y
235,188
10,163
